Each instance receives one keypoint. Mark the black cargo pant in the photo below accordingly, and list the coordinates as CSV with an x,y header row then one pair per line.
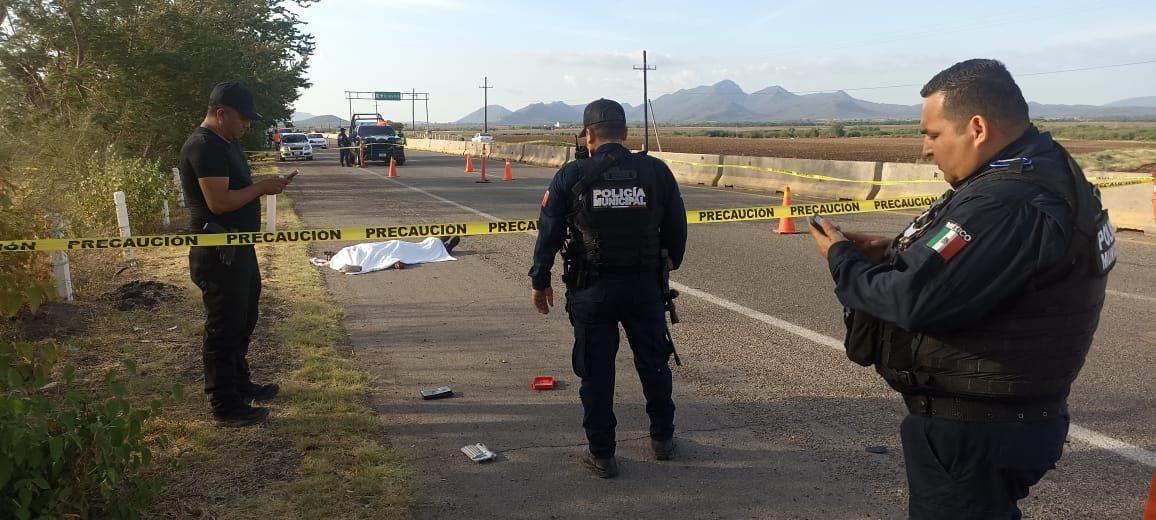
x,y
347,157
972,470
633,300
230,294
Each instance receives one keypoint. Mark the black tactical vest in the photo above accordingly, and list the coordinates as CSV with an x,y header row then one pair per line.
x,y
615,215
1033,345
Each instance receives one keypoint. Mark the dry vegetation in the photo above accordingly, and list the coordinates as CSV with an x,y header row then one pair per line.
x,y
321,453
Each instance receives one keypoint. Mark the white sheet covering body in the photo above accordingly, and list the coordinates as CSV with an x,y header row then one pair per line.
x,y
383,255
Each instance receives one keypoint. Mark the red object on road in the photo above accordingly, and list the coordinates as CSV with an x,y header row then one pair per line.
x,y
543,383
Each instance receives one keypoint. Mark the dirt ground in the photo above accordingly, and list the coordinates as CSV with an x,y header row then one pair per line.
x,y
884,149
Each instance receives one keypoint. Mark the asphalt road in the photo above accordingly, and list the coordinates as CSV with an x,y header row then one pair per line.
x,y
773,420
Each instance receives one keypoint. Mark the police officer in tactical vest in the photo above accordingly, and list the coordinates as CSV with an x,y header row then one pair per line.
x,y
620,222
982,311
344,145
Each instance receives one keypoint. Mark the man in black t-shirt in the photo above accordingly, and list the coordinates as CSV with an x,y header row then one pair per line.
x,y
223,197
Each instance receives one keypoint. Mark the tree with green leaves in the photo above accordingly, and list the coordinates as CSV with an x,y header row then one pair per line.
x,y
97,96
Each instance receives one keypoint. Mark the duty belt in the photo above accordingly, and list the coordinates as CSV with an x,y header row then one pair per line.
x,y
972,410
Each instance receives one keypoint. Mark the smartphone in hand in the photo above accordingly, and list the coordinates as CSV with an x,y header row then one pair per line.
x,y
816,222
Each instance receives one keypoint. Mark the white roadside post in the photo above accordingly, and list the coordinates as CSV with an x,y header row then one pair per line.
x,y
180,187
122,221
61,271
165,213
270,213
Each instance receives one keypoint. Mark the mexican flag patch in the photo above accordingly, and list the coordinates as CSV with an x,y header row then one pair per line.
x,y
949,241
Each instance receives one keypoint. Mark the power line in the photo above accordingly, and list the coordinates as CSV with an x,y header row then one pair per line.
x,y
1088,68
881,87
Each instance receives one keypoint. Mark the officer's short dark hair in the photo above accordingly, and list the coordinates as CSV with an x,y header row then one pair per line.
x,y
609,131
980,87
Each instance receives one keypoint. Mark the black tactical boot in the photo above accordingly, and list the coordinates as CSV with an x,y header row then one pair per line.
x,y
663,450
256,392
601,468
239,415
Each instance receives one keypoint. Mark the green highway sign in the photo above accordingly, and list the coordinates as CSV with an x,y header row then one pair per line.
x,y
387,96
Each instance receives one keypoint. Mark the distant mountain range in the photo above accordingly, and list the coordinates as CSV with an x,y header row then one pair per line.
x,y
496,113
1146,101
326,122
535,114
726,102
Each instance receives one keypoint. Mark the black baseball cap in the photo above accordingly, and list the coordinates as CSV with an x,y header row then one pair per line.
x,y
237,97
602,111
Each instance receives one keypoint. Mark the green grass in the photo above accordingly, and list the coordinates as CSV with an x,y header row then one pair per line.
x,y
344,471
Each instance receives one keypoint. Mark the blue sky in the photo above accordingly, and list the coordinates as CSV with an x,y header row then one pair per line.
x,y
578,51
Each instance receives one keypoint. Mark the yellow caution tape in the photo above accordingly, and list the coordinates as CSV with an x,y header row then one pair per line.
x,y
710,216
367,145
540,141
793,173
1113,182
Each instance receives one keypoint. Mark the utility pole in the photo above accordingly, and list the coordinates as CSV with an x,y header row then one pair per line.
x,y
486,86
413,110
645,97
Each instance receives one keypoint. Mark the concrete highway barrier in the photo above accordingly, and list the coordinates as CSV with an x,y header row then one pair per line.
x,y
691,168
903,173
546,155
816,178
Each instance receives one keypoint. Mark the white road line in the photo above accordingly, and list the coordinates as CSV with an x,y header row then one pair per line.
x,y
1092,437
765,318
1116,446
1133,296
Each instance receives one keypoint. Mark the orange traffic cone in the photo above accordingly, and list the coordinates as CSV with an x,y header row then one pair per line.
x,y
1150,509
509,172
469,163
392,168
361,157
787,224
483,179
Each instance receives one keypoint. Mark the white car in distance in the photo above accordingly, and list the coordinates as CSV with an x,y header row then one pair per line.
x,y
295,146
482,138
318,140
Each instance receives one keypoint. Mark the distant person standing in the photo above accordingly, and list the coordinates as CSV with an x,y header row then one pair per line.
x,y
223,197
344,144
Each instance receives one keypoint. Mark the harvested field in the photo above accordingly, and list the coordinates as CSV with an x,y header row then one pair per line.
x,y
885,149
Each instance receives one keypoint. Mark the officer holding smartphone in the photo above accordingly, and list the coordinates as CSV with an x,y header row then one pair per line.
x,y
982,311
222,196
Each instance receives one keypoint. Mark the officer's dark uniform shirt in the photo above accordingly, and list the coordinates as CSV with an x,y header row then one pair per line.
x,y
206,154
343,140
556,206
996,236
